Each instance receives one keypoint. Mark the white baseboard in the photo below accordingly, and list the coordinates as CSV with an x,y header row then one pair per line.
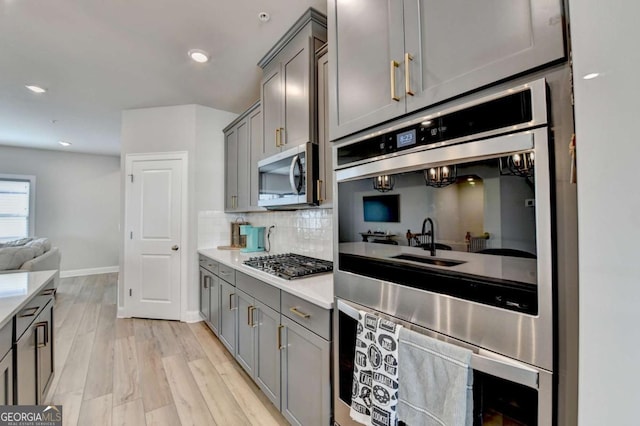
x,y
191,316
89,271
122,313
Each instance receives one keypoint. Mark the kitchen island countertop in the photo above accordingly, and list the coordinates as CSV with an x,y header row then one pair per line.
x,y
16,289
317,289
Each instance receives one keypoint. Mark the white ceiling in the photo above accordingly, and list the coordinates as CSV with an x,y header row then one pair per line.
x,y
99,57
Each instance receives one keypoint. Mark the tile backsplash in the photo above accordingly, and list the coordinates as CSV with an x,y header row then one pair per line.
x,y
308,232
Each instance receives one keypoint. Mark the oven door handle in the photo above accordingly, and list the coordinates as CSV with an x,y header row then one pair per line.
x,y
344,308
505,368
484,361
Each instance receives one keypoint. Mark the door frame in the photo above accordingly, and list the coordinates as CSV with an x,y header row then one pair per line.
x,y
183,156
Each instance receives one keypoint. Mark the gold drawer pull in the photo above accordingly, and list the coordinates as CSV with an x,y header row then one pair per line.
x,y
280,327
319,189
300,314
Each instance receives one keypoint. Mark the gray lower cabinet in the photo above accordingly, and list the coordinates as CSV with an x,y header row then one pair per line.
x,y
228,316
306,386
214,303
245,353
205,309
393,57
45,350
27,392
267,351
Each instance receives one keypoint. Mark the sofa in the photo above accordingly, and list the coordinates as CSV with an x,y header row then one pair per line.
x,y
30,254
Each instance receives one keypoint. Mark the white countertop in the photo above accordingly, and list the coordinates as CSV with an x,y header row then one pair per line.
x,y
484,265
16,289
316,289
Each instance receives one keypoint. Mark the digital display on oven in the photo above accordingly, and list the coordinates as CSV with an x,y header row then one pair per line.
x,y
406,138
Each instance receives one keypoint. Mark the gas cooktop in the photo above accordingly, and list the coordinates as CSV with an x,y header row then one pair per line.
x,y
290,266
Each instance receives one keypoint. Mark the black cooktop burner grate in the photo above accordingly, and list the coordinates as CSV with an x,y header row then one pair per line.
x,y
290,265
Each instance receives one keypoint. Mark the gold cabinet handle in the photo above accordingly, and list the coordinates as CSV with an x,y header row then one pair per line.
x,y
300,314
394,65
407,78
319,189
280,327
283,140
250,321
278,138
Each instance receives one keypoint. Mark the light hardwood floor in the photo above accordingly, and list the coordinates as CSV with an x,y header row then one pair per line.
x,y
137,371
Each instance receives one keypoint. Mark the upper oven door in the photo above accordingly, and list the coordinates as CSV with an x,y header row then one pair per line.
x,y
287,178
470,252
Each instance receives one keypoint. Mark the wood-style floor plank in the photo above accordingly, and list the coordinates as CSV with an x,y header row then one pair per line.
x,y
153,379
129,414
221,403
165,416
96,412
189,402
189,345
126,373
71,403
100,375
167,342
74,374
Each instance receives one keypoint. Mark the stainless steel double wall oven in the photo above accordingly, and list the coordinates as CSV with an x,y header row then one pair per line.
x,y
471,260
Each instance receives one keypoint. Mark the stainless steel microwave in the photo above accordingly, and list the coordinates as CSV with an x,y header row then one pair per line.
x,y
286,180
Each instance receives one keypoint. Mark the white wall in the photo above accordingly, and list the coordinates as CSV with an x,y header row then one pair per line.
x,y
605,40
77,202
198,131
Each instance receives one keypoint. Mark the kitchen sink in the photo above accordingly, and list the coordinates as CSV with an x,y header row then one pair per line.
x,y
430,260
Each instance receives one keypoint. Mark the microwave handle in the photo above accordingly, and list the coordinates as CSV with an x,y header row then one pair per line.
x,y
295,161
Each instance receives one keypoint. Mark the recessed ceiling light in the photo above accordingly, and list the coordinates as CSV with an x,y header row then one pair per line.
x,y
35,89
263,17
591,76
63,143
198,55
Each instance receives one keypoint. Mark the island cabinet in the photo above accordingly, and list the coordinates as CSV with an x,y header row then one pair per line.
x,y
6,364
389,57
243,137
287,89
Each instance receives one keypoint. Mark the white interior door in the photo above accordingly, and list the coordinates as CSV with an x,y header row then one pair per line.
x,y
154,254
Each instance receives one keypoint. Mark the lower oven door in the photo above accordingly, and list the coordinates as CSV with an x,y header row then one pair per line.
x,y
505,391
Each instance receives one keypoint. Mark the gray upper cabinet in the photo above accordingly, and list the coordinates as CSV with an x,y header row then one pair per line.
x,y
242,141
325,161
367,38
288,85
394,57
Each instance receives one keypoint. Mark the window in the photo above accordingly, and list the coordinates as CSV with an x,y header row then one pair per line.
x,y
17,194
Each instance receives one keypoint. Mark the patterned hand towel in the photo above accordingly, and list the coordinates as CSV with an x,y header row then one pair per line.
x,y
375,374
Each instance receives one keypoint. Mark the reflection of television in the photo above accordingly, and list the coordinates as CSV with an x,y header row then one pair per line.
x,y
381,208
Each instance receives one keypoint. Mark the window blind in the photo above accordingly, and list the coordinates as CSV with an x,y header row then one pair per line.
x,y
14,209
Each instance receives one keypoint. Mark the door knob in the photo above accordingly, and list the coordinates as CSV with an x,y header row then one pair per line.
x,y
175,248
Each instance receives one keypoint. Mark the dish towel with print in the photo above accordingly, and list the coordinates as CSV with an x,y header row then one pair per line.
x,y
375,372
436,382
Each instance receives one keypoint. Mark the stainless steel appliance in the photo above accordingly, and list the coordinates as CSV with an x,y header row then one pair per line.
x,y
286,180
480,168
290,265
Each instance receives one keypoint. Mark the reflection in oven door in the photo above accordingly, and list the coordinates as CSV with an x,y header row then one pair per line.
x,y
498,398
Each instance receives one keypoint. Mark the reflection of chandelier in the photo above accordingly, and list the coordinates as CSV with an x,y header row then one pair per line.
x,y
383,183
439,177
521,164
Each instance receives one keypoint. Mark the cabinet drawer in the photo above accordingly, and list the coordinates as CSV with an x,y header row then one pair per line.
x,y
227,273
208,264
263,292
307,314
6,339
29,313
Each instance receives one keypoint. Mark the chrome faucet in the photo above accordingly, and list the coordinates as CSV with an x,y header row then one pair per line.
x,y
431,233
